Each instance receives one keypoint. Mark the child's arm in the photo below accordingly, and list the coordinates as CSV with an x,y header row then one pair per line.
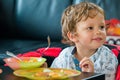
x,y
86,65
44,65
0,70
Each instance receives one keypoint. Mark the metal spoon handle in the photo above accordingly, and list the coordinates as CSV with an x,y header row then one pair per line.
x,y
12,55
49,42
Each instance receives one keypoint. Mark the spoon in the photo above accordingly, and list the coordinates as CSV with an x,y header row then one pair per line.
x,y
48,39
13,55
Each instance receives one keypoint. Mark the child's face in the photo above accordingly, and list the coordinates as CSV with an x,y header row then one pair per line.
x,y
92,32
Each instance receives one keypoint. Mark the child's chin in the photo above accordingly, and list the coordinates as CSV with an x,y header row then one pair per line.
x,y
97,46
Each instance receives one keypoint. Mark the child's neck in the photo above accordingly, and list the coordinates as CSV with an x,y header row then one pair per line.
x,y
80,54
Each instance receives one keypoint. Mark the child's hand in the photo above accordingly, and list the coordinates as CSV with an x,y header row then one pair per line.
x,y
0,71
44,65
86,65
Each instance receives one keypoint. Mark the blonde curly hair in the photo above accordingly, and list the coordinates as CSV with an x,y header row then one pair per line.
x,y
76,13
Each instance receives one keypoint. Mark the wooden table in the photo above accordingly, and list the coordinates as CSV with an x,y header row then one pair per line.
x,y
8,75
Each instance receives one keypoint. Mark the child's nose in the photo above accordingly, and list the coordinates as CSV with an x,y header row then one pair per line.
x,y
97,32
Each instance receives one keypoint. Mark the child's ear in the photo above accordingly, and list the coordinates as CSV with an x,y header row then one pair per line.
x,y
72,36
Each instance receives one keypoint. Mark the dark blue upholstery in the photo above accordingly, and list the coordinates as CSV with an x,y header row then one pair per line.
x,y
39,18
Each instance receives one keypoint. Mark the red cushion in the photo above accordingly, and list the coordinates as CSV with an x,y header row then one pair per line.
x,y
53,51
30,54
118,73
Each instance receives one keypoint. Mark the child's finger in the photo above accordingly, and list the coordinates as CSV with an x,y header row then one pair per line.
x,y
0,70
84,60
87,65
44,65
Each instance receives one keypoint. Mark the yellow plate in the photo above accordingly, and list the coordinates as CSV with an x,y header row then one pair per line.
x,y
46,73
